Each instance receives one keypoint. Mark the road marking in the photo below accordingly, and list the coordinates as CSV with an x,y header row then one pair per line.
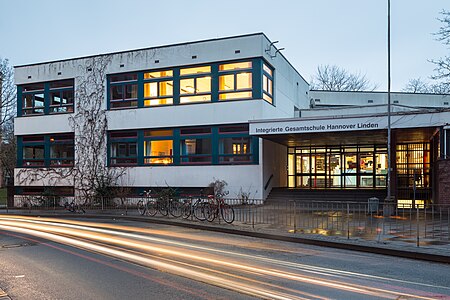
x,y
19,276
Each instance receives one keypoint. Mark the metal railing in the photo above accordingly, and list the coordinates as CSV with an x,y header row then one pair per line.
x,y
421,224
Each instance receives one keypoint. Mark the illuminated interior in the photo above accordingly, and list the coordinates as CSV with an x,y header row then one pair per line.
x,y
160,152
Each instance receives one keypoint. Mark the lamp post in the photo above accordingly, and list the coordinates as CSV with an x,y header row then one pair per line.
x,y
389,101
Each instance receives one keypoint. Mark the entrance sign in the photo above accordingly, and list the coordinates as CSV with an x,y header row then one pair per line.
x,y
316,126
346,124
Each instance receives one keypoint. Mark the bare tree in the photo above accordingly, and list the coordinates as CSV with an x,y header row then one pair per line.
x,y
8,152
334,78
418,85
443,64
7,92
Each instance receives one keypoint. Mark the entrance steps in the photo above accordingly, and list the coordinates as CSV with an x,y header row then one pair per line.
x,y
286,194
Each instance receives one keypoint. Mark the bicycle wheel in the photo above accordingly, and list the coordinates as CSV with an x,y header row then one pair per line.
x,y
199,210
176,208
152,208
211,212
141,207
163,207
227,213
186,209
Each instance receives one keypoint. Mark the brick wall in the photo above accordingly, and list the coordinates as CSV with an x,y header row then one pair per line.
x,y
443,181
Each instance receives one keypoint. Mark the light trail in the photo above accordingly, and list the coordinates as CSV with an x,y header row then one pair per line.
x,y
253,275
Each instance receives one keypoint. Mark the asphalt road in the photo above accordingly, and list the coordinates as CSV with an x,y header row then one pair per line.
x,y
77,259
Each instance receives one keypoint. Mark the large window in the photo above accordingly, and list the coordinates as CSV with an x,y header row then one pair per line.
x,y
337,167
235,81
33,100
46,98
61,96
62,150
46,150
195,84
123,148
235,146
123,90
267,83
196,145
215,82
158,147
229,144
158,88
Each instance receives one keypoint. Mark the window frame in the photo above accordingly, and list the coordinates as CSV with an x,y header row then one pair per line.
x,y
158,138
132,138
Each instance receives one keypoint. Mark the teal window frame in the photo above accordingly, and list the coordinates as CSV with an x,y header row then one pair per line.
x,y
46,90
256,71
45,142
179,156
123,139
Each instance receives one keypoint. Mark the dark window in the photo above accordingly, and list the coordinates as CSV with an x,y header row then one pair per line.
x,y
196,150
123,147
62,151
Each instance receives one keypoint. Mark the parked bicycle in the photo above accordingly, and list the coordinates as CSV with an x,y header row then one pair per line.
x,y
142,205
217,205
197,208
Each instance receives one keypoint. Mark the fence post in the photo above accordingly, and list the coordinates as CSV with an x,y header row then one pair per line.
x,y
54,202
417,228
295,218
348,221
102,202
126,207
253,215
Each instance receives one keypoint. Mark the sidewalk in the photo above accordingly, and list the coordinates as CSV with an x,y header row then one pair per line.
x,y
383,244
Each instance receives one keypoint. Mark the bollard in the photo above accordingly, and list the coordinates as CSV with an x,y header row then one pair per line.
x,y
295,218
417,229
348,221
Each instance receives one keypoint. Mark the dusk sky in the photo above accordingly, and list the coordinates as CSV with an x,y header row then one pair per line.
x,y
348,33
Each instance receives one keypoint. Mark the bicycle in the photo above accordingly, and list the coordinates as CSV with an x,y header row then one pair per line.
x,y
74,208
144,207
216,205
197,209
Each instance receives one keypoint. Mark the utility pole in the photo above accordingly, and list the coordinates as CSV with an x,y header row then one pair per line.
x,y
389,101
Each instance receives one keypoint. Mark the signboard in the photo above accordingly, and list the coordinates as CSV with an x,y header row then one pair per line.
x,y
317,126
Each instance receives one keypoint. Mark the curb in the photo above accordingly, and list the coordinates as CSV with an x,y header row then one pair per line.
x,y
3,295
300,240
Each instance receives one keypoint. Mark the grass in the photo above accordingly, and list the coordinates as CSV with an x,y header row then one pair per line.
x,y
2,196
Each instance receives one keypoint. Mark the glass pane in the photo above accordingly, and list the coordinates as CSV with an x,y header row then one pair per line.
x,y
38,100
350,163
196,70
158,133
226,82
334,164
161,150
166,88
123,77
67,97
203,85
27,100
192,99
269,87
235,146
61,84
267,98
244,81
33,152
62,151
187,86
33,87
159,74
195,146
236,66
150,90
116,92
160,101
366,163
350,181
265,84
381,163
130,91
291,164
238,95
55,98
267,69
366,181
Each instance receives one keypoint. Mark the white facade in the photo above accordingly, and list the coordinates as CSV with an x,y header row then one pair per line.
x,y
290,93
